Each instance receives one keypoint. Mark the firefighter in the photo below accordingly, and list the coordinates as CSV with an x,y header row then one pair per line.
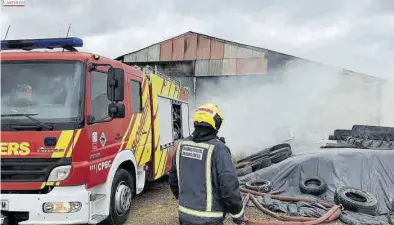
x,y
203,177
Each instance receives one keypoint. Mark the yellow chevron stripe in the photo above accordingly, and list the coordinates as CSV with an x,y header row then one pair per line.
x,y
143,140
126,133
162,163
148,149
76,137
62,143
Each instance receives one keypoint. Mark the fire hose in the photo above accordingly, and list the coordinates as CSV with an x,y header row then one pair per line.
x,y
330,216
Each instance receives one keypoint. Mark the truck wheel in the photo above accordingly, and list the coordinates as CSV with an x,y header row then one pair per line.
x,y
121,195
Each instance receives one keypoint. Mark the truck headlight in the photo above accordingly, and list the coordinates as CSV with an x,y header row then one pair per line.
x,y
61,207
59,173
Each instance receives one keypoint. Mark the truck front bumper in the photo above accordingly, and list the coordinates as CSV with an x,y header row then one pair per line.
x,y
32,205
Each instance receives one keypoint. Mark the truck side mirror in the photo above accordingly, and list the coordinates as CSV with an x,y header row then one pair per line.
x,y
115,84
116,110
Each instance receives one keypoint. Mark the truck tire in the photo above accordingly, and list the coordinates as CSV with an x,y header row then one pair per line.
x,y
121,195
320,188
356,200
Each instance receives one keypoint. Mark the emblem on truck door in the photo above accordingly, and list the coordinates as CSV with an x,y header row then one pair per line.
x,y
103,139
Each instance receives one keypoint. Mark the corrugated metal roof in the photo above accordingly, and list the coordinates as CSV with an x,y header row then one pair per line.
x,y
203,47
251,66
230,51
154,53
166,51
191,39
229,67
217,49
178,48
191,47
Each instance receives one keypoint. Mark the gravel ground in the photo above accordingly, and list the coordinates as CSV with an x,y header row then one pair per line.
x,y
157,206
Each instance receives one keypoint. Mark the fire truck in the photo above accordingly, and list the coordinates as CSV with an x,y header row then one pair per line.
x,y
81,134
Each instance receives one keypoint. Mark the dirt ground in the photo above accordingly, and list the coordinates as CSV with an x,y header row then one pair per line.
x,y
157,206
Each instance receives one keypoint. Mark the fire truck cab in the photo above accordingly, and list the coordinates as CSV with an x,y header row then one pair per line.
x,y
81,133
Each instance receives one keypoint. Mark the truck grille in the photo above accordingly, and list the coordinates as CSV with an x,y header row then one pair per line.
x,y
29,170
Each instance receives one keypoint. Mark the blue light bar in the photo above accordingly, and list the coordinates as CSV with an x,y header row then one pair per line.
x,y
48,43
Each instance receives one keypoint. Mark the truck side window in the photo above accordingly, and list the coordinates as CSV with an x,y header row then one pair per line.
x,y
136,99
98,96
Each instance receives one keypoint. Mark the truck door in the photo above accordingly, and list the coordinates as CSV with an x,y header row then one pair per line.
x,y
103,138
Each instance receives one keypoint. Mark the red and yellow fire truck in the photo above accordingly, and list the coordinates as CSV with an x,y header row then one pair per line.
x,y
81,133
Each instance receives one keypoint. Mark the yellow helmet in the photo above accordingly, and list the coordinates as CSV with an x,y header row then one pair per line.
x,y
208,115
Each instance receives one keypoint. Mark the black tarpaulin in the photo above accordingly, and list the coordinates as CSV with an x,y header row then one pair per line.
x,y
368,170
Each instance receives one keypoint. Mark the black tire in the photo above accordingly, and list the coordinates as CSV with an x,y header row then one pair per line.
x,y
259,185
356,200
306,188
373,132
255,156
261,163
279,146
279,157
122,177
280,150
244,171
341,132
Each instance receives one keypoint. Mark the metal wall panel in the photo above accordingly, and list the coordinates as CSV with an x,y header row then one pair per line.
x,y
244,52
166,50
202,68
142,55
257,54
251,66
217,49
229,67
203,47
215,67
130,57
154,53
178,48
230,51
191,47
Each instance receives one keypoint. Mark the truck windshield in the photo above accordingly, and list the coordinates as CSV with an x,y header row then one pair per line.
x,y
50,90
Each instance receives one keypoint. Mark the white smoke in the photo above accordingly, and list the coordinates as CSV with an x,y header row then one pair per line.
x,y
303,101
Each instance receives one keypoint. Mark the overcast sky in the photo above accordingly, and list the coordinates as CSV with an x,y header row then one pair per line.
x,y
355,34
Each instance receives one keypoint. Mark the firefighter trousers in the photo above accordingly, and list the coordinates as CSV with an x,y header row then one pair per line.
x,y
182,222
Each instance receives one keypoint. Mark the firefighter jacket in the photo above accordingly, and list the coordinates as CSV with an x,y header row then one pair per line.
x,y
204,180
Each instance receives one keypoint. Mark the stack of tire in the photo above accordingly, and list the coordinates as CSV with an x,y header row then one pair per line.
x,y
263,159
365,137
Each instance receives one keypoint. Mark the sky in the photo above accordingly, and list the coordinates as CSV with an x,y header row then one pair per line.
x,y
353,34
